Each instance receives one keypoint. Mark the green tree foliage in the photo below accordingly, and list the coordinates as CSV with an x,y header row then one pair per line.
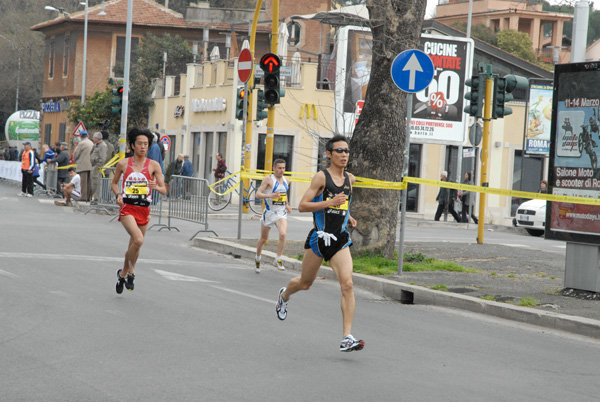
x,y
517,43
96,110
479,31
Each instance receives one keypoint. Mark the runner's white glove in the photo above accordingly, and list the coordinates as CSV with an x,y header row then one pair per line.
x,y
326,237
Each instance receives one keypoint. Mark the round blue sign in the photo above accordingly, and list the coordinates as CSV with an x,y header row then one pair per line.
x,y
412,70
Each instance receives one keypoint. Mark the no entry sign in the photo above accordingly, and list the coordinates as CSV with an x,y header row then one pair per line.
x,y
245,65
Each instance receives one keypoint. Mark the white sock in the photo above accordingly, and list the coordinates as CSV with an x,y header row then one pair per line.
x,y
257,257
279,257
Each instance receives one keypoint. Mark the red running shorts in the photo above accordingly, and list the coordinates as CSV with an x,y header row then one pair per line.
x,y
141,214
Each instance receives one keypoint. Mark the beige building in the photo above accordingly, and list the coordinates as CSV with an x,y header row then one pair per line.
x,y
198,115
510,14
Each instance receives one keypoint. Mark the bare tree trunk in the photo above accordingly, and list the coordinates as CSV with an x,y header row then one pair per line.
x,y
378,140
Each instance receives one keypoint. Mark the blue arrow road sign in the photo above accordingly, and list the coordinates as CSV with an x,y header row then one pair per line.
x,y
412,71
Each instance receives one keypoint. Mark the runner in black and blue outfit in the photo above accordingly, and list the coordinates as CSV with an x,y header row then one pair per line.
x,y
328,198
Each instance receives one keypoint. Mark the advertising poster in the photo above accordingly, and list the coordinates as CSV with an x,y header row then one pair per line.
x,y
437,115
539,119
438,110
575,148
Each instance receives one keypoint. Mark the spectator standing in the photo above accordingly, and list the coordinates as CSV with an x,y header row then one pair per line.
x,y
62,161
187,169
48,154
446,197
543,187
15,154
466,200
177,165
110,148
221,168
155,154
7,155
98,158
82,157
27,166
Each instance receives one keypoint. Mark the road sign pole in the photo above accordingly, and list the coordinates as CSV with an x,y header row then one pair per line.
x,y
404,193
412,71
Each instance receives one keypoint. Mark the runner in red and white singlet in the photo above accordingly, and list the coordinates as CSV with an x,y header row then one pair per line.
x,y
140,175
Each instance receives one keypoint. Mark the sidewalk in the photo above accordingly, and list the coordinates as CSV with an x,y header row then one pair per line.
x,y
509,274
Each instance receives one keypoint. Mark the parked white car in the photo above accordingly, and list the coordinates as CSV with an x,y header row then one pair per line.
x,y
531,215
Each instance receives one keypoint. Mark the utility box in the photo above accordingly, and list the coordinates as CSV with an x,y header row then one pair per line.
x,y
582,267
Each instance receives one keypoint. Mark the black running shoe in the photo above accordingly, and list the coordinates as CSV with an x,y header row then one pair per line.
x,y
120,282
129,281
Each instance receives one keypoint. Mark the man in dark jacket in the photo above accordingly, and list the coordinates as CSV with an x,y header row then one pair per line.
x,y
446,196
61,160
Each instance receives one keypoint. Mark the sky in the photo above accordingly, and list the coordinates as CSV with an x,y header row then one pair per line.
x,y
432,3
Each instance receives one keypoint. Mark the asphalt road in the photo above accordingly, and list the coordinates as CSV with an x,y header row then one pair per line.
x,y
202,327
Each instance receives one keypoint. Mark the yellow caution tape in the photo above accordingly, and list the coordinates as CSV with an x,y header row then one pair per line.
x,y
362,182
507,193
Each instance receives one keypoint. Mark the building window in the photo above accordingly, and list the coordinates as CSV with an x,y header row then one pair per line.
x,y
62,128
294,31
47,131
51,59
66,55
120,55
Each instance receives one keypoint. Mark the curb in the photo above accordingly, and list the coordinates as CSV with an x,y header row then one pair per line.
x,y
413,294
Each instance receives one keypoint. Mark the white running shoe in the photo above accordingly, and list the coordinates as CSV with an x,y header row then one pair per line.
x,y
279,264
22,194
350,344
28,195
281,307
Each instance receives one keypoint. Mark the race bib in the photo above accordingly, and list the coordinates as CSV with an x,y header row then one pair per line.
x,y
281,200
136,188
343,207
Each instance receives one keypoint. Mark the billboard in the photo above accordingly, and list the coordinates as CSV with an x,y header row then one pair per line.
x,y
437,115
575,142
539,118
22,126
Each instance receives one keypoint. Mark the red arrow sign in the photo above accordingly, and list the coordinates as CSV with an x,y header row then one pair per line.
x,y
245,65
270,62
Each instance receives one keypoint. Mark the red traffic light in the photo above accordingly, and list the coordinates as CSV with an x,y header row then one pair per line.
x,y
120,90
270,63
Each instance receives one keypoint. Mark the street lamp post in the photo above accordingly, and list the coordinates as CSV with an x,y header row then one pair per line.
x,y
12,44
85,34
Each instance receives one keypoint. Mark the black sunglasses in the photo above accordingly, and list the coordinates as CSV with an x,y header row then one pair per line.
x,y
341,150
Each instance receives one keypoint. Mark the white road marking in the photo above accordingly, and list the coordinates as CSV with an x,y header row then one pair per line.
x,y
515,245
244,294
172,276
119,259
10,275
60,293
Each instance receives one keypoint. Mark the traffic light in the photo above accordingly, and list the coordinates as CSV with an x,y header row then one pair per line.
x,y
261,106
239,104
475,96
270,64
117,100
502,93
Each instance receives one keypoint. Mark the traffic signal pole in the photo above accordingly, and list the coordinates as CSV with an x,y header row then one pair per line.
x,y
487,119
271,110
248,137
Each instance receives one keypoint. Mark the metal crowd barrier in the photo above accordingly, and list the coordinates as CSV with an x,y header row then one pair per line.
x,y
188,201
49,177
107,201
